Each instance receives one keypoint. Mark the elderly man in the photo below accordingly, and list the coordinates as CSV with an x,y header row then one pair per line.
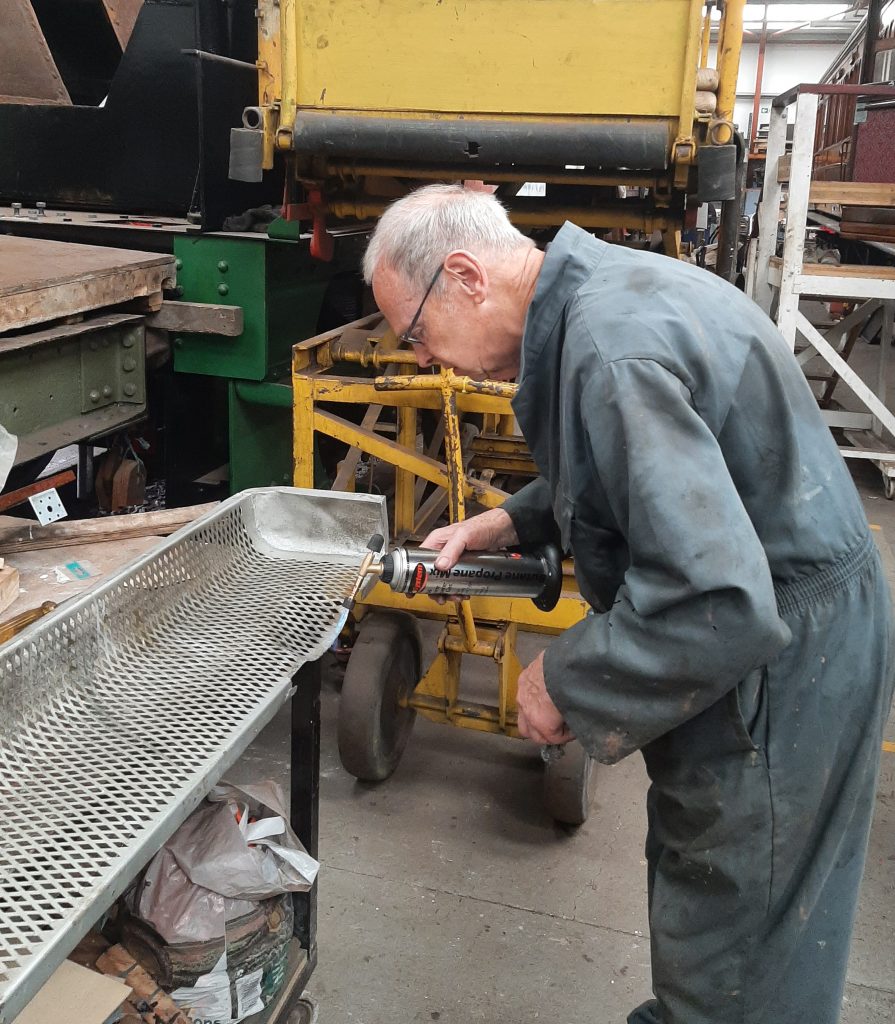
x,y
741,629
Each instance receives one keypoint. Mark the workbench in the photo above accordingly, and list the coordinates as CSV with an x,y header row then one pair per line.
x,y
43,280
44,576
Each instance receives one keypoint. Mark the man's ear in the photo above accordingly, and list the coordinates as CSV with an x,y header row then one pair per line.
x,y
469,272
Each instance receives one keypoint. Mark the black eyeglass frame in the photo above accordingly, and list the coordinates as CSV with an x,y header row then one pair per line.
x,y
406,337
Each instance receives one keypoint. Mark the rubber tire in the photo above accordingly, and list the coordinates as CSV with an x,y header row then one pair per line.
x,y
302,1011
383,669
569,785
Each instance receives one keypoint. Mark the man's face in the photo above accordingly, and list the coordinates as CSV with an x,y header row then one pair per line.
x,y
456,327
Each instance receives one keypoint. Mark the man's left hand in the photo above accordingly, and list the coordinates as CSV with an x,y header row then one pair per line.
x,y
540,719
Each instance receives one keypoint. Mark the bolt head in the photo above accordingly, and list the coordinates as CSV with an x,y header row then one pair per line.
x,y
94,396
129,364
178,264
223,266
223,289
107,391
130,389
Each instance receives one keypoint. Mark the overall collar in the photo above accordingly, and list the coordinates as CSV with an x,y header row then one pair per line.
x,y
569,261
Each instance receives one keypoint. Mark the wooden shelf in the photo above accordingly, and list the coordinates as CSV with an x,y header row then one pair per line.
x,y
852,193
846,282
853,270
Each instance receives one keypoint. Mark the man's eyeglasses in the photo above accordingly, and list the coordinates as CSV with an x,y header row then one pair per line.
x,y
407,336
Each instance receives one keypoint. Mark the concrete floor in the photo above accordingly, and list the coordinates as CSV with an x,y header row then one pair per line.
x,y
446,894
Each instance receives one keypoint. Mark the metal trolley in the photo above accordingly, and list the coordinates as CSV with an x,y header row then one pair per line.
x,y
200,641
387,683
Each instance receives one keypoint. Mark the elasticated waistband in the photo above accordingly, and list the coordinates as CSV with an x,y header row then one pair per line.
x,y
798,593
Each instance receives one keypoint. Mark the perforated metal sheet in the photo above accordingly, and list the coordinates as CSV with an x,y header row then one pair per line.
x,y
120,709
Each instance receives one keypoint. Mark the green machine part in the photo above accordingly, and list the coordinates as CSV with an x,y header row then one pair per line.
x,y
280,289
70,382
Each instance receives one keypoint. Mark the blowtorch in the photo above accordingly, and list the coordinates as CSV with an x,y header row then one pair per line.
x,y
535,574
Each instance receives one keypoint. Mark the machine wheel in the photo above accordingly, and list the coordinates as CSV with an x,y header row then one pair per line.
x,y
568,784
303,1011
383,669
889,486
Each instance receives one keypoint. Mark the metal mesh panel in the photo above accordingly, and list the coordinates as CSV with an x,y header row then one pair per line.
x,y
121,709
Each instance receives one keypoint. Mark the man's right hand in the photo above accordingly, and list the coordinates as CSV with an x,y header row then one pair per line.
x,y
485,532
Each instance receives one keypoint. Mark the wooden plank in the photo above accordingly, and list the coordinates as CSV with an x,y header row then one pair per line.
x,y
43,574
31,536
867,231
29,263
198,318
27,69
824,273
43,280
853,270
852,193
9,585
783,167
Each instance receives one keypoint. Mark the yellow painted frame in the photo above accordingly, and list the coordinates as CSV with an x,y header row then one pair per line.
x,y
314,54
486,627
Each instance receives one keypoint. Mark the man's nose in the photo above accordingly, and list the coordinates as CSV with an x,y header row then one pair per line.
x,y
423,358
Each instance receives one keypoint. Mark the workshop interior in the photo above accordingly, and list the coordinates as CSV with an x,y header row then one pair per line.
x,y
226,662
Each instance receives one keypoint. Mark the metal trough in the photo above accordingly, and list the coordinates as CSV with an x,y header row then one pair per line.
x,y
123,707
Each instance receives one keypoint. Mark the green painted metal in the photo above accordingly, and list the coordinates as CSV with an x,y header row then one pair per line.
x,y
66,384
260,439
279,287
260,421
265,392
281,228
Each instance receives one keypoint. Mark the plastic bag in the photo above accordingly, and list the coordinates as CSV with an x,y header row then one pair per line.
x,y
236,849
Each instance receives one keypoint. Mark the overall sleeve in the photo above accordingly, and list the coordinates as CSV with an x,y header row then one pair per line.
x,y
696,611
531,509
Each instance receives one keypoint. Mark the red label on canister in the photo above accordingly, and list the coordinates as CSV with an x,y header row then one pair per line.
x,y
418,581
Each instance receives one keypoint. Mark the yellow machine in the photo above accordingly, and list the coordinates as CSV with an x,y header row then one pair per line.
x,y
385,686
607,104
610,109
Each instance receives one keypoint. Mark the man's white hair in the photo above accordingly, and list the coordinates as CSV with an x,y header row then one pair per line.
x,y
416,234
